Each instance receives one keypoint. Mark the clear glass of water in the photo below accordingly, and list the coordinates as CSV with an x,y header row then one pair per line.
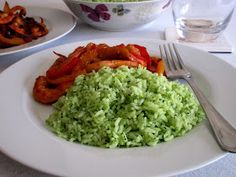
x,y
201,20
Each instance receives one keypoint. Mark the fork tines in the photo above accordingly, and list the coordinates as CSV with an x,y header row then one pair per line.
x,y
172,60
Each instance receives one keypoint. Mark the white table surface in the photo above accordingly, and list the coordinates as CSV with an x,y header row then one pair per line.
x,y
225,167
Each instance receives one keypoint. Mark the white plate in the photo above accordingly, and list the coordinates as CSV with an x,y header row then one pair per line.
x,y
58,22
24,137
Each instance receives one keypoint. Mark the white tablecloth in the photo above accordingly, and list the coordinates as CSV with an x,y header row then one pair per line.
x,y
225,167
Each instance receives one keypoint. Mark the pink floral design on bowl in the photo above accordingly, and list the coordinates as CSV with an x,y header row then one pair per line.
x,y
98,14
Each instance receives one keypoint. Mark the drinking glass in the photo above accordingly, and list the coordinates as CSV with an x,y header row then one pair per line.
x,y
201,20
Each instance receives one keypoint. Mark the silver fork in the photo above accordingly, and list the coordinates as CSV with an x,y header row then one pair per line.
x,y
174,67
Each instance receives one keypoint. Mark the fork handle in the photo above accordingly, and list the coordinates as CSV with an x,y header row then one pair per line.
x,y
224,132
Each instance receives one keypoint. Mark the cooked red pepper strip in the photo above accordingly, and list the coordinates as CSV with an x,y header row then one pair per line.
x,y
114,52
77,70
63,65
110,63
18,25
3,29
11,41
20,9
144,54
6,17
8,14
135,55
39,29
6,7
160,67
138,59
37,32
47,93
153,65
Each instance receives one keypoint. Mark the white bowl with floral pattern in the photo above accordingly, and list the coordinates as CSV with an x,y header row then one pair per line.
x,y
117,16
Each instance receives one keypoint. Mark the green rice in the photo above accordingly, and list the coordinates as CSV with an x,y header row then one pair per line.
x,y
124,107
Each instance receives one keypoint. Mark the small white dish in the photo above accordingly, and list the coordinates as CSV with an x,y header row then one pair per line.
x,y
58,22
24,137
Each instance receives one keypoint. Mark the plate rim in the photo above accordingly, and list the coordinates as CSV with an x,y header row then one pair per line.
x,y
223,154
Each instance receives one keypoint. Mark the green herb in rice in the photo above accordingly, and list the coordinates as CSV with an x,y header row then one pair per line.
x,y
124,107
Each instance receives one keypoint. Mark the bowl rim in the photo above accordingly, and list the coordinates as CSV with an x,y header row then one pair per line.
x,y
116,3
